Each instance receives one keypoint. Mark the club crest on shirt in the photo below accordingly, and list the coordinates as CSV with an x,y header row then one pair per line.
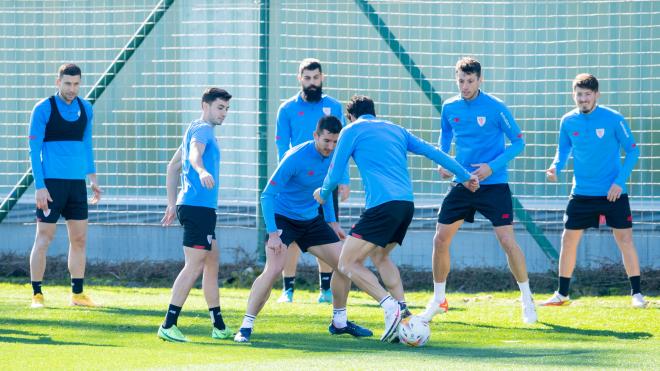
x,y
600,133
209,237
481,120
326,111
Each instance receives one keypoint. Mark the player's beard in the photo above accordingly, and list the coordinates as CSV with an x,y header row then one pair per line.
x,y
313,93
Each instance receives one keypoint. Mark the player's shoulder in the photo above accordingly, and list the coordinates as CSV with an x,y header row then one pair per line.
x,y
492,100
296,153
86,104
291,101
42,104
451,101
610,112
200,126
330,100
571,115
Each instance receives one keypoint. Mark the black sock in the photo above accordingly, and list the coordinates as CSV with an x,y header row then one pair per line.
x,y
289,283
216,318
77,285
172,316
324,280
36,287
635,285
564,285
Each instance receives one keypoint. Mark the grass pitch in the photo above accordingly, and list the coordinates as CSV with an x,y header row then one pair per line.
x,y
481,331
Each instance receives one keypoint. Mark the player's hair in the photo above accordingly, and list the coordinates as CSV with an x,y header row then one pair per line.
x,y
360,105
69,69
586,81
329,123
211,94
309,64
469,66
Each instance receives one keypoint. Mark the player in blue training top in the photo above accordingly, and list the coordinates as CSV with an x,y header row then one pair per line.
x,y
380,149
292,215
296,121
478,123
198,161
594,135
61,157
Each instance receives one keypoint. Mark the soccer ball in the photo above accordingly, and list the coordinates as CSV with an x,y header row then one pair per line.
x,y
414,331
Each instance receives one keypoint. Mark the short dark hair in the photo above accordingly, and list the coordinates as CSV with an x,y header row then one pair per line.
x,y
309,64
360,105
585,81
329,123
69,69
211,94
469,66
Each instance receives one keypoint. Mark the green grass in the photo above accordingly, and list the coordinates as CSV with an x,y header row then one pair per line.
x,y
481,331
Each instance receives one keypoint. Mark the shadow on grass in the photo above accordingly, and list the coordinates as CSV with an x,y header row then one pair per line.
x,y
27,337
559,329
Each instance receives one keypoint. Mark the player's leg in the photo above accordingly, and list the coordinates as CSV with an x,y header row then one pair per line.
x,y
325,277
340,286
77,230
289,274
212,293
260,292
624,241
389,272
42,239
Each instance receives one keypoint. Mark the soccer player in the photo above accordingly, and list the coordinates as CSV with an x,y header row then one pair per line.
x,y
296,121
594,135
478,122
292,215
379,148
198,161
61,156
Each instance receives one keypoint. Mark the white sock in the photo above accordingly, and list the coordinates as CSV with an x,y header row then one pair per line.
x,y
248,321
339,317
389,304
439,292
525,290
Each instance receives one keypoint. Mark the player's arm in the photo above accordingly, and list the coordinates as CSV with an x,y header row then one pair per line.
x,y
277,181
626,140
513,132
89,155
564,148
282,133
421,147
38,121
446,137
344,185
343,152
172,183
200,138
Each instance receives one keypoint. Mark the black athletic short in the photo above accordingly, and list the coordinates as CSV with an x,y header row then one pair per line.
x,y
335,203
584,212
198,226
491,200
69,200
306,233
385,223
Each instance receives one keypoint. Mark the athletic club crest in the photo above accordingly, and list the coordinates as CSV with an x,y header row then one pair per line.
x,y
326,111
481,120
600,133
209,237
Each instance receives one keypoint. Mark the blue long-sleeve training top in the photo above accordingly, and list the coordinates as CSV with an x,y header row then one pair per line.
x,y
595,140
478,128
379,149
290,188
297,119
62,157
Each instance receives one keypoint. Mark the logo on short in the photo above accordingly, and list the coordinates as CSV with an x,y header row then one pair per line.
x,y
326,111
600,133
481,120
209,238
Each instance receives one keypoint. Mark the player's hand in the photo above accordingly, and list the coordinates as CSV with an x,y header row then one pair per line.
x,y
170,214
444,173
551,174
344,192
614,193
337,228
43,197
472,184
275,244
317,196
483,171
97,193
206,179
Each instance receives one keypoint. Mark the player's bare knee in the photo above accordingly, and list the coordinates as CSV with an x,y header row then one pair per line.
x,y
441,242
